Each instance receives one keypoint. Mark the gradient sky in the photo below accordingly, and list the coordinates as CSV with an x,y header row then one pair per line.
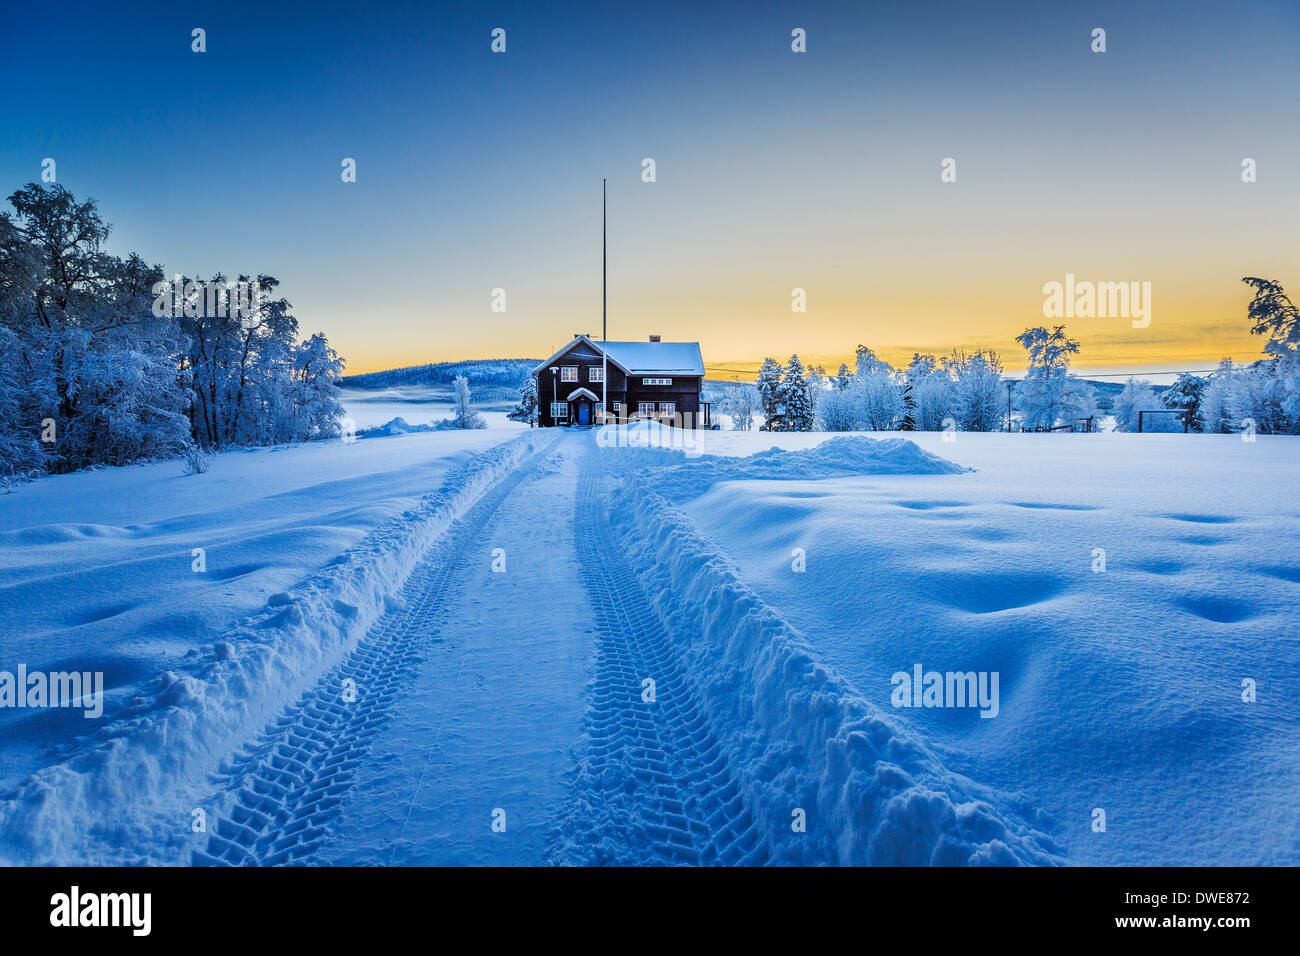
x,y
775,170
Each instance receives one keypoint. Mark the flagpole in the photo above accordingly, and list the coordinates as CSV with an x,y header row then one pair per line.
x,y
604,352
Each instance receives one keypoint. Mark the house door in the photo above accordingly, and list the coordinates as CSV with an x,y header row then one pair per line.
x,y
584,413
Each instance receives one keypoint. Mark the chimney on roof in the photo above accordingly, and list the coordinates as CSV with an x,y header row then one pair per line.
x,y
654,338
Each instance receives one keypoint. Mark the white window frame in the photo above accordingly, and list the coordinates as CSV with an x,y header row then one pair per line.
x,y
656,381
594,374
645,408
618,407
667,408
568,373
559,410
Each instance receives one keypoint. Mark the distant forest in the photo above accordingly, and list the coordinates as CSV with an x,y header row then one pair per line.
x,y
482,374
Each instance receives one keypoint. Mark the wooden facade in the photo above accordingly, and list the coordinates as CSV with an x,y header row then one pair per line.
x,y
659,381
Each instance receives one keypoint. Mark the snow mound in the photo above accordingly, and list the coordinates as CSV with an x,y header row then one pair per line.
x,y
839,457
798,734
843,455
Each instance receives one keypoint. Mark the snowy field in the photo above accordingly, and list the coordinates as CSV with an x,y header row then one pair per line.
x,y
433,648
96,568
1120,689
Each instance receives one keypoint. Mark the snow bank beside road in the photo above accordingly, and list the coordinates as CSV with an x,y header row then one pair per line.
x,y
103,803
798,734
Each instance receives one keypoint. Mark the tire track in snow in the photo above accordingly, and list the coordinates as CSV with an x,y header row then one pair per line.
x,y
290,783
653,786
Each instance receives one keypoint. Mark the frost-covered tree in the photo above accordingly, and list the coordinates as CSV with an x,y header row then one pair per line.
x,y
101,373
769,388
741,404
908,422
879,397
866,362
978,393
880,401
1273,314
313,397
96,362
795,399
526,409
1185,396
1138,396
842,378
1259,394
1048,394
932,393
242,366
839,409
1213,410
463,414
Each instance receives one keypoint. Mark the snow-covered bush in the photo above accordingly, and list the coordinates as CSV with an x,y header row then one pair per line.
x,y
195,459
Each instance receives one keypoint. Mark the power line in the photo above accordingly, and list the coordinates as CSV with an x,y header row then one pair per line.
x,y
1161,371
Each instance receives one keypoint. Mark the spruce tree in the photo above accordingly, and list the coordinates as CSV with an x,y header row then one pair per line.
x,y
769,385
795,398
908,424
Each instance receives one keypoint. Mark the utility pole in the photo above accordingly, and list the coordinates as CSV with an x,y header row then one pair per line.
x,y
604,351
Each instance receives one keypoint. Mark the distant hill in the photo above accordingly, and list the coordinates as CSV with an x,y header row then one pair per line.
x,y
482,373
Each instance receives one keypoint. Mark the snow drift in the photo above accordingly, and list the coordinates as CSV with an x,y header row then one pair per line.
x,y
799,734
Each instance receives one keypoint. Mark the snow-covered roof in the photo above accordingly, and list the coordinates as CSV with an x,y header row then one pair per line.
x,y
644,358
641,358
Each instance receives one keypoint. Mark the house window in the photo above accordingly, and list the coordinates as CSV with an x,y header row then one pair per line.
x,y
667,408
595,373
645,408
568,373
656,381
618,408
559,409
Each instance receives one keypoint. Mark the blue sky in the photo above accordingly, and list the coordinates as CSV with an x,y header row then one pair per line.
x,y
775,170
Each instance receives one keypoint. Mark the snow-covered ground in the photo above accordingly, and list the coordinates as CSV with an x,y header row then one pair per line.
x,y
434,648
1120,689
97,568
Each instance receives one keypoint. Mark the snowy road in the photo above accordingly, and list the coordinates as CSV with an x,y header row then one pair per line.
x,y
469,704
